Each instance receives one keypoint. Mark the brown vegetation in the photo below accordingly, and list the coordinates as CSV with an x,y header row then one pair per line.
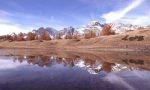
x,y
89,34
14,37
68,36
106,30
20,37
30,36
5,37
74,37
58,35
44,36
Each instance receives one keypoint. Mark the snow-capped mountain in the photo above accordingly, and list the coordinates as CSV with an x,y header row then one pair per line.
x,y
121,28
51,31
69,30
95,26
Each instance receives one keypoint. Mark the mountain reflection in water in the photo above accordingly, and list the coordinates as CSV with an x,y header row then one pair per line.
x,y
22,69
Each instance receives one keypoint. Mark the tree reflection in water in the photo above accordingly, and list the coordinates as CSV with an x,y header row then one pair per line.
x,y
47,70
90,63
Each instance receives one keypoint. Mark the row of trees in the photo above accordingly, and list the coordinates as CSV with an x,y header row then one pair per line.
x,y
29,36
44,35
32,36
105,31
67,62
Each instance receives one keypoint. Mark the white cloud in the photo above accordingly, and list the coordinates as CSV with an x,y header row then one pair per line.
x,y
8,64
116,15
9,22
137,19
8,28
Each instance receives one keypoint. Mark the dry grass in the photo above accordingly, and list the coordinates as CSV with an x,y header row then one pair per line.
x,y
111,41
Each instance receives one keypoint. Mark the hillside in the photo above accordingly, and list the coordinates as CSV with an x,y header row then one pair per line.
x,y
111,42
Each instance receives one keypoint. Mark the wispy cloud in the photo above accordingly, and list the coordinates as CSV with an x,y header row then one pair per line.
x,y
137,19
22,22
116,15
115,79
10,28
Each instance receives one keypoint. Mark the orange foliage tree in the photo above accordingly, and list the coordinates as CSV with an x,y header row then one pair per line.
x,y
106,30
20,37
89,34
44,36
30,36
58,35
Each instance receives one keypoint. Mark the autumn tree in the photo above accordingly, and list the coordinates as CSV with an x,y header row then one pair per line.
x,y
68,36
106,30
30,36
89,34
20,37
58,35
44,35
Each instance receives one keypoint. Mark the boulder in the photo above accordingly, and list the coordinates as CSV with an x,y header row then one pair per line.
x,y
140,38
125,38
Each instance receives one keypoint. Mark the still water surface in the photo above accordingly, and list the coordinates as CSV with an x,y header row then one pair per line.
x,y
47,70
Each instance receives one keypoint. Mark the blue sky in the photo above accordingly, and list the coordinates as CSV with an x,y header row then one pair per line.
x,y
24,15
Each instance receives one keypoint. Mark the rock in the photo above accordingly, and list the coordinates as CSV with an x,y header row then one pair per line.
x,y
137,38
140,38
132,38
125,38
